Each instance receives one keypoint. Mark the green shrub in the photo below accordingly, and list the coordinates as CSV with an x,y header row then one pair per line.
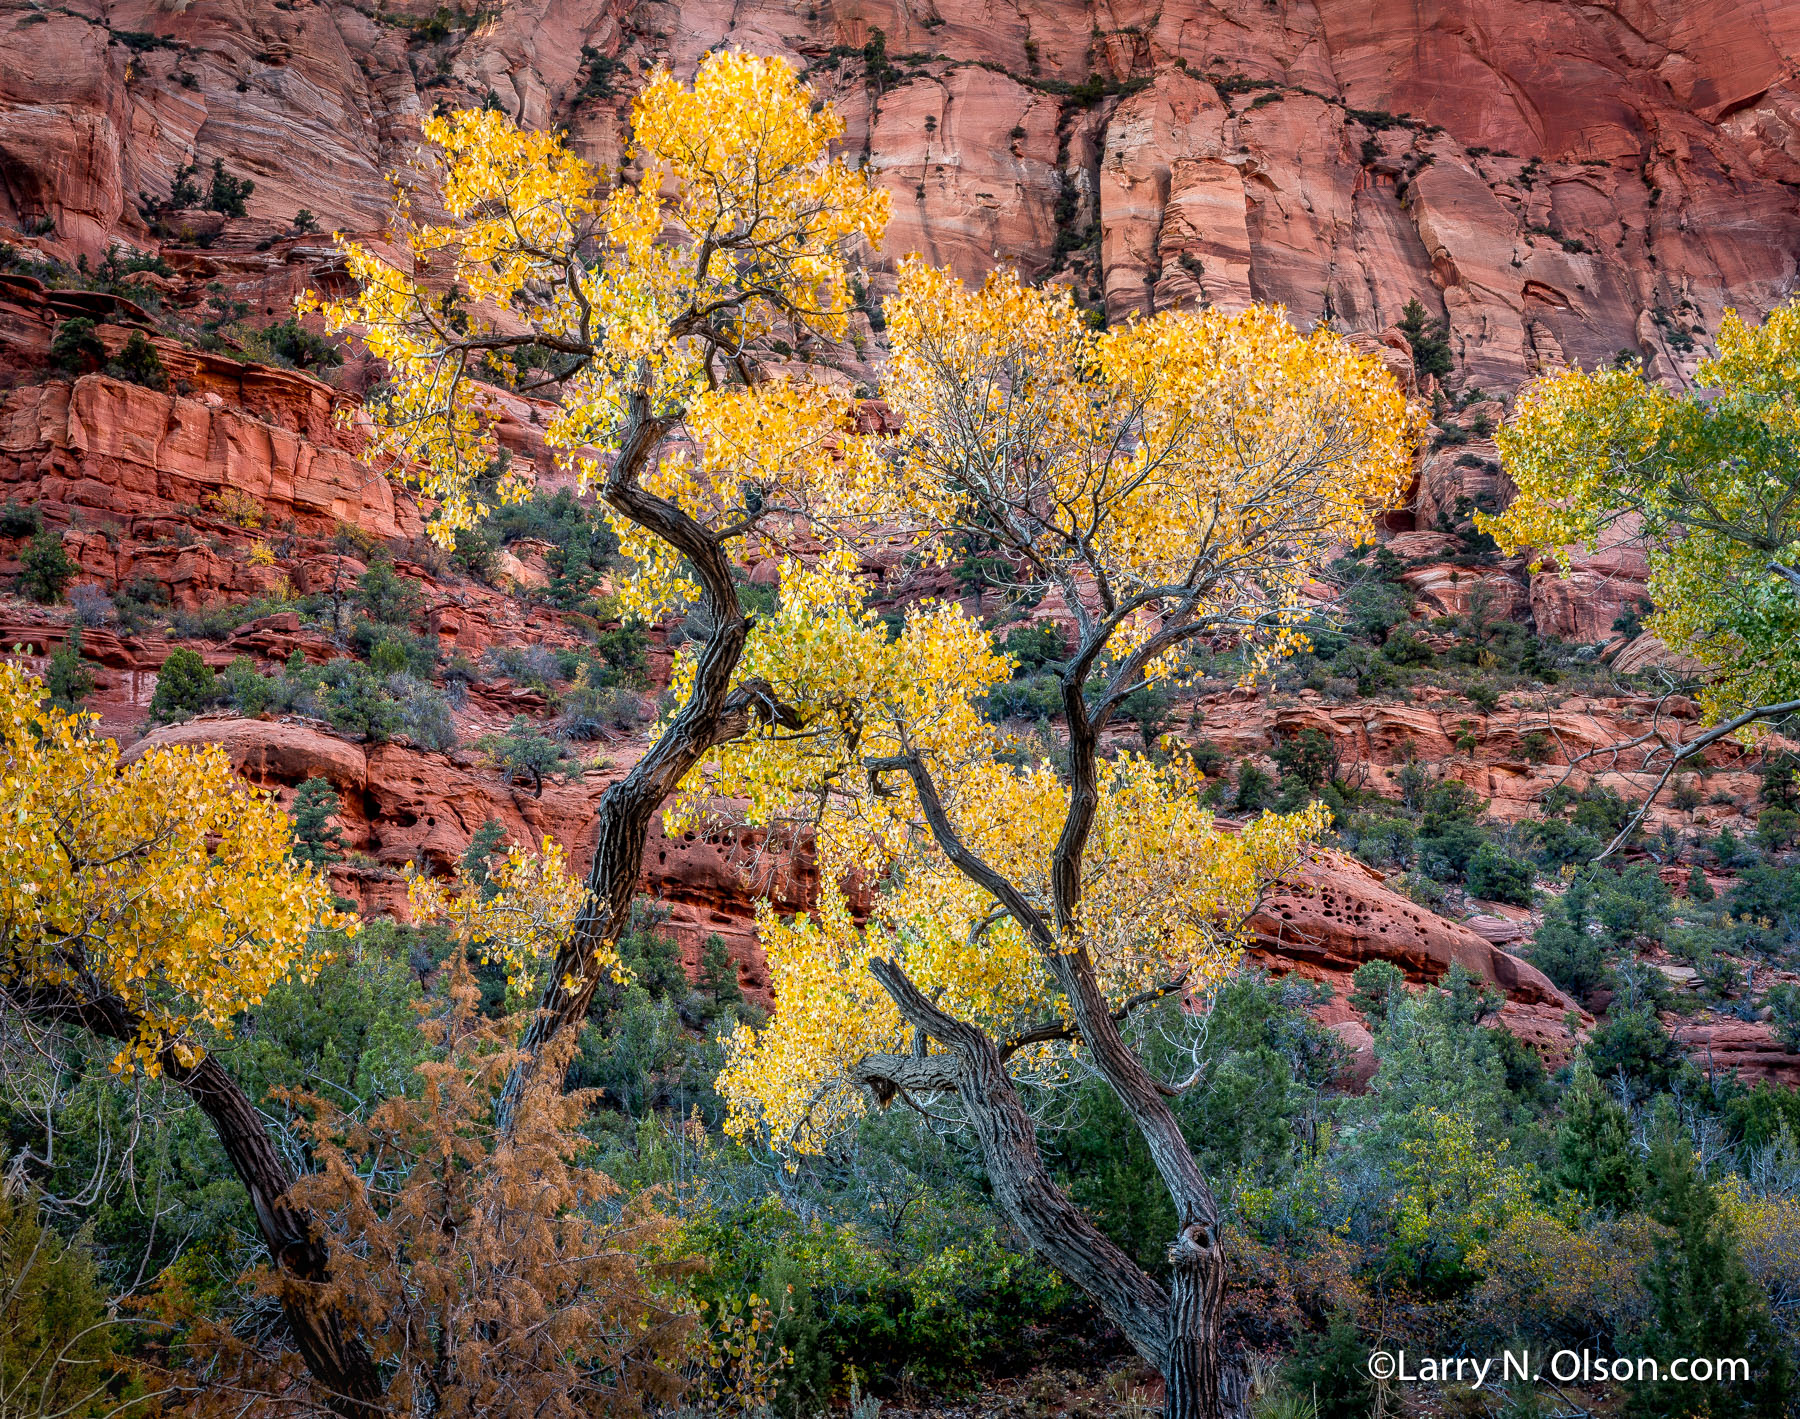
x,y
67,677
317,840
525,754
1307,757
1632,1042
184,686
385,596
1377,985
1255,789
139,363
75,347
1597,1158
357,702
1783,1004
56,1345
20,520
249,691
1332,1368
45,569
1703,1300
932,1312
1497,876
227,193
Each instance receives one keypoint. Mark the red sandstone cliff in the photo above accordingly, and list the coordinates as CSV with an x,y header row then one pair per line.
x,y
1561,181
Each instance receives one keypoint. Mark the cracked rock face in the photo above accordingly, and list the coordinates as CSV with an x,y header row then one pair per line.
x,y
1558,182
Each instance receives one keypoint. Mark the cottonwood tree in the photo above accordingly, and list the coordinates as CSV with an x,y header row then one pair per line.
x,y
1708,486
1169,479
152,904
144,905
660,300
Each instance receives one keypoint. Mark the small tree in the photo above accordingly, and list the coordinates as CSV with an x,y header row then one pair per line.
x,y
525,753
67,677
1430,344
75,347
227,193
184,686
45,569
1703,1300
139,363
1596,1158
384,595
318,841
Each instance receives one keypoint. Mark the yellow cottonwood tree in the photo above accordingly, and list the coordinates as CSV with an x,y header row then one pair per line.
x,y
143,902
1168,479
657,302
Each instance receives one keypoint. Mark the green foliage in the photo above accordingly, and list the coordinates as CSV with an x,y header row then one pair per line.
x,y
227,193
1703,1301
45,569
291,343
1596,1157
1035,648
1377,986
525,754
184,686
1429,340
67,677
931,1304
1265,1064
1783,1004
1307,757
57,1353
1498,876
356,700
317,840
20,520
1255,789
75,347
384,596
1332,1368
1449,835
1565,949
1631,1044
139,363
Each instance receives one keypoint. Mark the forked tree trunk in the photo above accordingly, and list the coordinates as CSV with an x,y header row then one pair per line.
x,y
1177,1331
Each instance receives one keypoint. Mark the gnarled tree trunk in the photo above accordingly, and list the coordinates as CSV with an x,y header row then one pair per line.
x,y
326,1338
1177,1330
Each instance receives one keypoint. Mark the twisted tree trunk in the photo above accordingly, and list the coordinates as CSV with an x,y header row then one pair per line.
x,y
1177,1331
326,1338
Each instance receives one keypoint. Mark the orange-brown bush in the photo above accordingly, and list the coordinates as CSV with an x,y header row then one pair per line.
x,y
491,1274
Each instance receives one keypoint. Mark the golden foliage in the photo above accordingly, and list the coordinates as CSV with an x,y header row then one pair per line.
x,y
517,914
162,891
1169,477
653,295
1192,448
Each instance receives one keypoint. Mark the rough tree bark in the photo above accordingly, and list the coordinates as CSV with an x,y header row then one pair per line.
x,y
1179,1331
713,714
326,1338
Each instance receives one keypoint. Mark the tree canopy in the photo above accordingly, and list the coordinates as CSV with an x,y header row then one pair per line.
x,y
147,900
1708,483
